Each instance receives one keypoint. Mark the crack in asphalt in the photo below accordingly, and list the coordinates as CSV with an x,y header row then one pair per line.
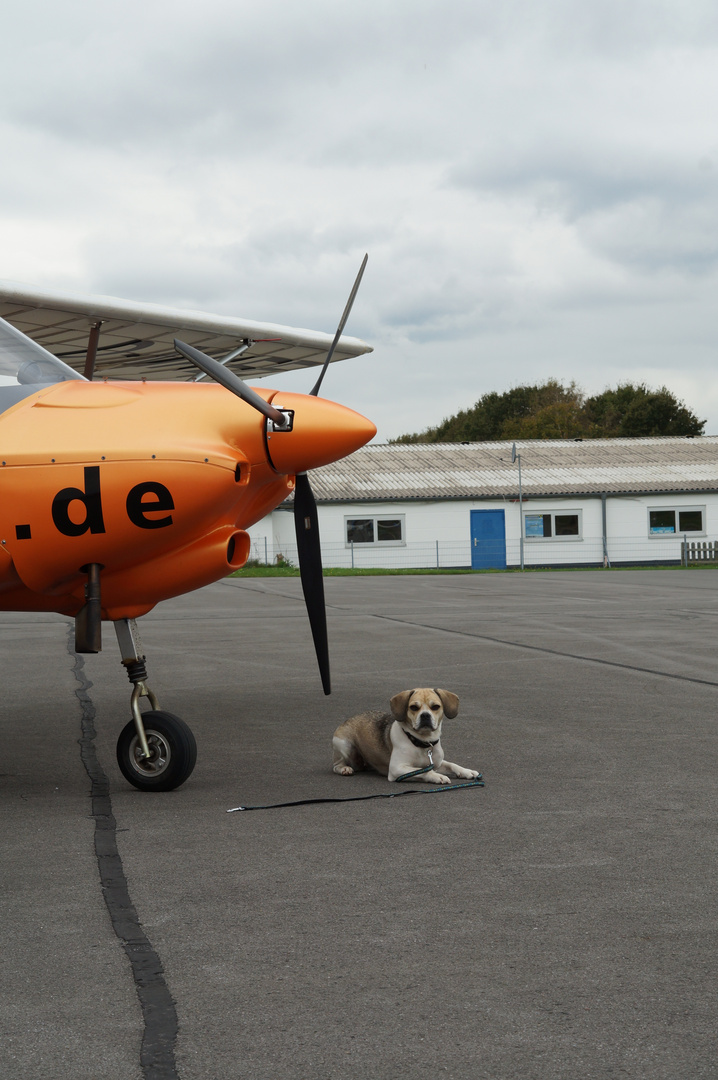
x,y
157,1057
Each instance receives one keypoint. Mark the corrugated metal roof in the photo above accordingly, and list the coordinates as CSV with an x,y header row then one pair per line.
x,y
548,467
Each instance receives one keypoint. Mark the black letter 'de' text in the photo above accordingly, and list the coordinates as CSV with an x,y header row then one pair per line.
x,y
137,510
90,497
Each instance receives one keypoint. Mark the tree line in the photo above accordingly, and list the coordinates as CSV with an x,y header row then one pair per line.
x,y
551,410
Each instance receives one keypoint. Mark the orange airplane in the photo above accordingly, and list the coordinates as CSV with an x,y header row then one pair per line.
x,y
115,495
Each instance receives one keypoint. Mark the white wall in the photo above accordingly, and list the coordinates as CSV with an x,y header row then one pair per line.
x,y
627,525
447,523
274,535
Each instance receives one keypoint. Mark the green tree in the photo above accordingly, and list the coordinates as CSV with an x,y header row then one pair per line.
x,y
636,410
560,420
551,410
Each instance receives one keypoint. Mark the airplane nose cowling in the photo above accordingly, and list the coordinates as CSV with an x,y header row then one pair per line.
x,y
322,432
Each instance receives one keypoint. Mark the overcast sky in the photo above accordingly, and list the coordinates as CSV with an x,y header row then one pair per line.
x,y
535,181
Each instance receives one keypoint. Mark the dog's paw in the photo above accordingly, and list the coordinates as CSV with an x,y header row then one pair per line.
x,y
344,770
458,770
438,778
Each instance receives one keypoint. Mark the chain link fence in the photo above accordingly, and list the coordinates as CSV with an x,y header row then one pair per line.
x,y
492,554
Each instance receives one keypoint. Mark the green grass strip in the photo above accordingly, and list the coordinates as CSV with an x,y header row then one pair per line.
x,y
290,571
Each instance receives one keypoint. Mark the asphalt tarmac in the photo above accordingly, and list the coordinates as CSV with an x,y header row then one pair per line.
x,y
558,923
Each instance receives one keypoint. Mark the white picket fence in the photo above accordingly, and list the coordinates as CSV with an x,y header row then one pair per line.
x,y
699,551
443,554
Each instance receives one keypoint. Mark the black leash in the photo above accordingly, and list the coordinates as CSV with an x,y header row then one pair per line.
x,y
359,798
479,782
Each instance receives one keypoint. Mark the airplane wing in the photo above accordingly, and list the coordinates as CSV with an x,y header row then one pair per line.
x,y
134,340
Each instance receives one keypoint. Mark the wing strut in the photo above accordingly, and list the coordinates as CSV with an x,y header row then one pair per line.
x,y
92,350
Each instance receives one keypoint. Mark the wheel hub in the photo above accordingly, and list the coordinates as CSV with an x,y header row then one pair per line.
x,y
160,754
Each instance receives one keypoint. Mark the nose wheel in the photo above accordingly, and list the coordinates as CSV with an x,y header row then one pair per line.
x,y
156,751
172,752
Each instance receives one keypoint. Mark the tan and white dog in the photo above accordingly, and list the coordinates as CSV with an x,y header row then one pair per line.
x,y
399,742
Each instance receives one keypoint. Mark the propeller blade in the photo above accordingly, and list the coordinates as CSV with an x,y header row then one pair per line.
x,y
230,381
342,323
306,524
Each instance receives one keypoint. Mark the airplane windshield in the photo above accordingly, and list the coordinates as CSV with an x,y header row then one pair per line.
x,y
25,367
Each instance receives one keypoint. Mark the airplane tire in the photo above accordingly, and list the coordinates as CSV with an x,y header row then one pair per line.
x,y
172,746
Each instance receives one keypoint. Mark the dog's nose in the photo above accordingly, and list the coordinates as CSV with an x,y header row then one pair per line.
x,y
425,720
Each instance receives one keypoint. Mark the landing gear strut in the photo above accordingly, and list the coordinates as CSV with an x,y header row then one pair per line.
x,y
156,751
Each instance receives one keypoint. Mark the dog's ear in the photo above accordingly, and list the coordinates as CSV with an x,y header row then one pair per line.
x,y
399,703
449,701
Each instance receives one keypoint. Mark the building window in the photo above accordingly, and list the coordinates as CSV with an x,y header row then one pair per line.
x,y
375,530
553,525
669,520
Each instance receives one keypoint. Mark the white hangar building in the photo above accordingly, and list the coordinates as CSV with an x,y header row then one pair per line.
x,y
591,502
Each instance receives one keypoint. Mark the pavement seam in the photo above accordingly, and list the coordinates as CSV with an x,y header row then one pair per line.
x,y
503,641
545,649
159,1015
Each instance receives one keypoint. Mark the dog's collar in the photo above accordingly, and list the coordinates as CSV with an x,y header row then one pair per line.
x,y
419,742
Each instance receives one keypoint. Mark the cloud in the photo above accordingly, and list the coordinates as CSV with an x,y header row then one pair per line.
x,y
535,183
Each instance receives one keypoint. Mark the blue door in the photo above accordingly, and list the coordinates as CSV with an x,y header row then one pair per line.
x,y
488,540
